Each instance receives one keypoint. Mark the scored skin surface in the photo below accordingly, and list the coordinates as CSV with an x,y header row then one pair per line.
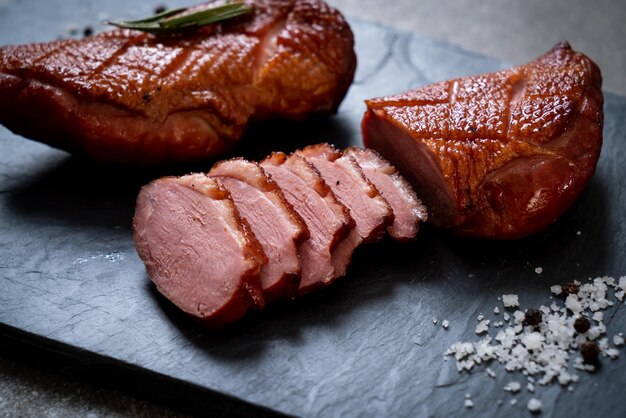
x,y
277,227
497,155
406,206
196,249
327,220
130,97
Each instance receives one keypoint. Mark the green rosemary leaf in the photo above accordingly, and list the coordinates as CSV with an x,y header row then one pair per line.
x,y
172,21
146,27
204,17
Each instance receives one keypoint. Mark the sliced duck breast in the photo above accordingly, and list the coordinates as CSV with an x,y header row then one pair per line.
x,y
197,250
407,208
368,208
245,233
277,227
327,220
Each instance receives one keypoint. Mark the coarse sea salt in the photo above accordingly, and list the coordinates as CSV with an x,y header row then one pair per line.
x,y
533,340
573,304
544,353
482,327
510,301
534,405
613,353
513,387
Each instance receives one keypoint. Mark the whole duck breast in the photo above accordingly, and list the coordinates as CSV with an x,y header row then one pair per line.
x,y
131,97
499,155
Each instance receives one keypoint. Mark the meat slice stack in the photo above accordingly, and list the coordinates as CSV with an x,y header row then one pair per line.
x,y
394,189
277,227
327,220
370,211
220,243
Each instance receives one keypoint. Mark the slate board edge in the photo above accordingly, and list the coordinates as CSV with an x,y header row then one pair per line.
x,y
125,377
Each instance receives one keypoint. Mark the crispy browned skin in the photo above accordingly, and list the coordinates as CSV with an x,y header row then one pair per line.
x,y
498,155
130,97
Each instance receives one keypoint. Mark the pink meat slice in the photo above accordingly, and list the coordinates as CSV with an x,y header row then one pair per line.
x,y
343,175
327,220
277,227
342,255
406,206
197,250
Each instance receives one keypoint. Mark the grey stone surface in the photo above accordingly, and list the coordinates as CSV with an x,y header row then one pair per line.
x,y
512,30
69,273
26,390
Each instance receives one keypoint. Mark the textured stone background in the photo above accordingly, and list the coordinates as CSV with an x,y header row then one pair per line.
x,y
512,30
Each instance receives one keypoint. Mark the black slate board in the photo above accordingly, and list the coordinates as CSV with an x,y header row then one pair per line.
x,y
72,283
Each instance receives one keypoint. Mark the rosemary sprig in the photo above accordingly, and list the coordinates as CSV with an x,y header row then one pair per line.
x,y
177,20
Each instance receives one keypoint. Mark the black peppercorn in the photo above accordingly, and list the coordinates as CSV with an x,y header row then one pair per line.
x,y
159,9
590,351
532,317
88,31
581,324
570,289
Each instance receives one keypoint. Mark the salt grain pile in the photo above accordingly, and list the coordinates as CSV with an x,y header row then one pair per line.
x,y
543,352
